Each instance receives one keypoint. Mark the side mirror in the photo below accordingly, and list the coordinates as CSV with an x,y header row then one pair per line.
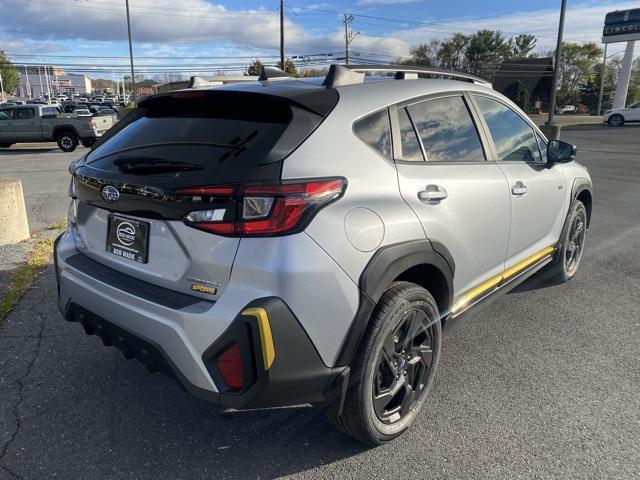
x,y
560,152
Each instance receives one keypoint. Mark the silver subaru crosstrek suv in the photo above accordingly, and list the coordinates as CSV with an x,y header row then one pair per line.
x,y
294,241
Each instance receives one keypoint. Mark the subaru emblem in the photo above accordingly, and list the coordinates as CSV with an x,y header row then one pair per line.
x,y
110,194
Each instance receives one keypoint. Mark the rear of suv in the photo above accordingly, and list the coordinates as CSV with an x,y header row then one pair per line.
x,y
305,241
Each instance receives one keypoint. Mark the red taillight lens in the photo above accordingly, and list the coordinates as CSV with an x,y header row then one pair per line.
x,y
230,366
265,209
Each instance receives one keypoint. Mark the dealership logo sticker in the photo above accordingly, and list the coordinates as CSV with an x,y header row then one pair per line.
x,y
126,234
110,194
627,15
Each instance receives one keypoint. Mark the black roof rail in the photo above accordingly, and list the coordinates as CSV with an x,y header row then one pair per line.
x,y
353,74
269,73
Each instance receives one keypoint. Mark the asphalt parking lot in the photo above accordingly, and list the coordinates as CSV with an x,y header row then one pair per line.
x,y
543,383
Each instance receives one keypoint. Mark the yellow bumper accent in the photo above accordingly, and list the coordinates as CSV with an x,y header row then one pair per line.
x,y
493,282
266,339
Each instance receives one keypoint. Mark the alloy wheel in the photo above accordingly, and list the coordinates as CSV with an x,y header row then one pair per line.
x,y
575,243
404,363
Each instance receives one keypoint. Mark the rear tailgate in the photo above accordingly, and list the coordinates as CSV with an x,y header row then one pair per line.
x,y
102,124
130,217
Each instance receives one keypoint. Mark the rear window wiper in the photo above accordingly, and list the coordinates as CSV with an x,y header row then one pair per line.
x,y
142,166
167,144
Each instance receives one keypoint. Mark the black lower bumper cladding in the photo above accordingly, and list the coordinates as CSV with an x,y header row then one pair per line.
x,y
296,376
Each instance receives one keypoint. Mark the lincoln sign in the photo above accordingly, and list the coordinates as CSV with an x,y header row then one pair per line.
x,y
622,22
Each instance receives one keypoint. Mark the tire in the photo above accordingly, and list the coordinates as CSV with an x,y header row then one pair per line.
x,y
382,366
67,141
88,142
571,245
616,120
5,145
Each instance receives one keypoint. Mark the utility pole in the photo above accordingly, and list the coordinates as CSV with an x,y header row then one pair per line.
x,y
552,108
2,89
349,36
282,34
46,79
28,85
133,74
603,74
41,95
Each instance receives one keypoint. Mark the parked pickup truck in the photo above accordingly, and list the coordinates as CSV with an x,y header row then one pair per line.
x,y
43,123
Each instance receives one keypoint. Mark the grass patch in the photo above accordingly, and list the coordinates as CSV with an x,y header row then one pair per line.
x,y
25,275
58,225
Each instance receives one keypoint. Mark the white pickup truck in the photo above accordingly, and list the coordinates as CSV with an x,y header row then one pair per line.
x,y
45,123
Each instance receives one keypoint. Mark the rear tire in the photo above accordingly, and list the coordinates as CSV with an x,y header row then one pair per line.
x,y
88,142
616,120
394,367
565,266
67,141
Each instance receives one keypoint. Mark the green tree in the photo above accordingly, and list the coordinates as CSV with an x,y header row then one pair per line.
x,y
425,54
577,67
254,69
10,77
517,92
289,67
452,51
486,50
523,45
590,90
315,72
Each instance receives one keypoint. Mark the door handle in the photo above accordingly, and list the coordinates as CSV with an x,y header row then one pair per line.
x,y
433,193
519,188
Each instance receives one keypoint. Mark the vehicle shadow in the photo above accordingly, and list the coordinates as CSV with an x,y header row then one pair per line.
x,y
28,151
86,412
545,278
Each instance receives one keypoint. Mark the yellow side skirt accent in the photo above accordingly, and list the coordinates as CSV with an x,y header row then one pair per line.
x,y
266,339
493,282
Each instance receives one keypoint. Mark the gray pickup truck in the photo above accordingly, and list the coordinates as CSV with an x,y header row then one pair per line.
x,y
45,123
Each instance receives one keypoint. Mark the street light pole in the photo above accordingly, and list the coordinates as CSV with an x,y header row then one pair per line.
x,y
133,74
603,74
556,69
282,34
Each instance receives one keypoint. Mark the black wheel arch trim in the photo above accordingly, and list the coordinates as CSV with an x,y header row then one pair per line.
x,y
387,264
58,129
580,185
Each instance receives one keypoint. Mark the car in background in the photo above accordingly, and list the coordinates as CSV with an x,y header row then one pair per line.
x,y
82,112
36,101
45,123
616,117
567,109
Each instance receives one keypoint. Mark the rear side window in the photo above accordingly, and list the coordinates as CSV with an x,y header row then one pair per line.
x,y
49,111
447,130
375,131
409,142
513,137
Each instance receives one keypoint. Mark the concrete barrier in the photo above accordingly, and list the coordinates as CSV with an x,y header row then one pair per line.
x,y
13,214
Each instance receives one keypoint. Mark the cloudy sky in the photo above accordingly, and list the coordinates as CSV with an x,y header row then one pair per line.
x,y
203,35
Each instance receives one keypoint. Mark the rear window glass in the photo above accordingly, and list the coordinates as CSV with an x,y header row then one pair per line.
x,y
375,131
218,133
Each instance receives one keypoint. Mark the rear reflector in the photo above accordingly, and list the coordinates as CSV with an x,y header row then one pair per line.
x,y
230,365
262,210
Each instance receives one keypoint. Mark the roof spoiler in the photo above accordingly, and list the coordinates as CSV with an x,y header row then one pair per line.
x,y
340,75
197,82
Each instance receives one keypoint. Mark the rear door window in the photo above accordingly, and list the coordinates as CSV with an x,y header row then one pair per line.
x,y
375,131
447,130
25,113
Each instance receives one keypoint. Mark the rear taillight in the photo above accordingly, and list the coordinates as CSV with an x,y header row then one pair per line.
x,y
262,210
92,123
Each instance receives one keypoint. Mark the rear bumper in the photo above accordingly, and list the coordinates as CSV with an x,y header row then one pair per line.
x,y
163,329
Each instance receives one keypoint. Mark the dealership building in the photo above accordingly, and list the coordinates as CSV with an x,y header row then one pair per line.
x,y
33,81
